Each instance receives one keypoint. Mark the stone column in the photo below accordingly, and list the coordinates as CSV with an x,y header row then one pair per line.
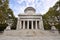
x,y
23,24
36,24
20,25
27,24
41,25
32,24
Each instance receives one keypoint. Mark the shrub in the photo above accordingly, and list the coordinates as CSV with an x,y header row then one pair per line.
x,y
14,25
3,26
47,27
58,27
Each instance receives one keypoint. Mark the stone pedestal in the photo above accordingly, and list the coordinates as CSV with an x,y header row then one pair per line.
x,y
8,28
54,30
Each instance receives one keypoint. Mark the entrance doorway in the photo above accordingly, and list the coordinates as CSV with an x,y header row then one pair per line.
x,y
29,24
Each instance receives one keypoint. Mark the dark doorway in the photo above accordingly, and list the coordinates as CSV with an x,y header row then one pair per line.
x,y
34,24
22,24
29,24
25,24
38,24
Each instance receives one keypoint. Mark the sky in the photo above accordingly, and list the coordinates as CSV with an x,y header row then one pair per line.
x,y
41,6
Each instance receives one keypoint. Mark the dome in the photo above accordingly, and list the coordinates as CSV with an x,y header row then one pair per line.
x,y
29,9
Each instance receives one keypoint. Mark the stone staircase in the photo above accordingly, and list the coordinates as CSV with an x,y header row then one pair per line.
x,y
30,33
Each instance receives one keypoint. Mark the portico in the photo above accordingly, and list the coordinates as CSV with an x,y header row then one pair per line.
x,y
29,24
30,20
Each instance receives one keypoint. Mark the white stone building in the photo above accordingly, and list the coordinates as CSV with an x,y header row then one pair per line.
x,y
30,20
30,24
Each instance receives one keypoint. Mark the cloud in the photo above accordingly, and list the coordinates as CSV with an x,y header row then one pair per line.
x,y
19,1
41,6
30,1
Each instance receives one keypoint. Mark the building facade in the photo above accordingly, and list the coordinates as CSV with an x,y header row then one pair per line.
x,y
30,20
30,24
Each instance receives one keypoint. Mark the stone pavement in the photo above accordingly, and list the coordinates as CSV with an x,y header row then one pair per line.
x,y
29,38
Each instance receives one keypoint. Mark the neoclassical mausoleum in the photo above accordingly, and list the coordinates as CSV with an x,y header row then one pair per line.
x,y
30,20
30,23
29,27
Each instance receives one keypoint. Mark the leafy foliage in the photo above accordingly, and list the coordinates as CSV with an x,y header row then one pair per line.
x,y
3,26
5,12
52,16
13,27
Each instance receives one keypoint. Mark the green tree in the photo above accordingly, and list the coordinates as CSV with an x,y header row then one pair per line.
x,y
52,13
5,12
